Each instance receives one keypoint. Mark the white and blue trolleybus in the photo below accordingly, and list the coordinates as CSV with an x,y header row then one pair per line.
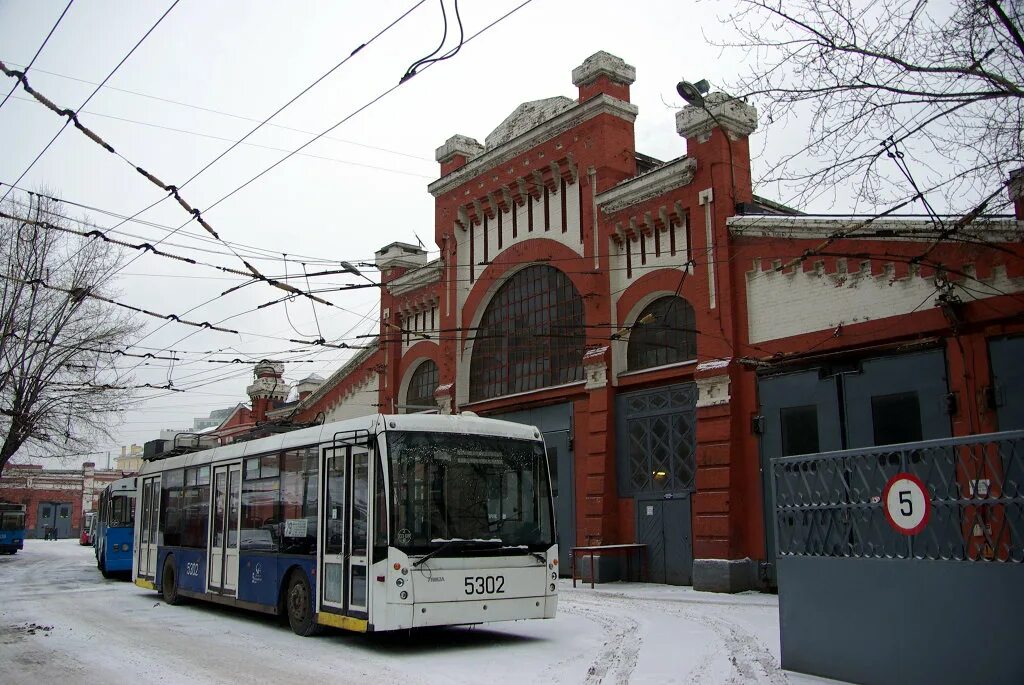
x,y
370,524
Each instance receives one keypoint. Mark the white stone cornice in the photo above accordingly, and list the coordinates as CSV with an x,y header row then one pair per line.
x,y
674,174
600,104
603,64
458,145
816,228
735,116
417,278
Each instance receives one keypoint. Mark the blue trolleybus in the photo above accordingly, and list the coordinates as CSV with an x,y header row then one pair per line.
x,y
371,524
115,527
12,528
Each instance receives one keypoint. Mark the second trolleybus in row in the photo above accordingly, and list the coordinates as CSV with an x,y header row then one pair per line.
x,y
371,524
114,528
12,527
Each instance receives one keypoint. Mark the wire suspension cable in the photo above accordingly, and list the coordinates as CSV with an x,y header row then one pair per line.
x,y
69,113
43,45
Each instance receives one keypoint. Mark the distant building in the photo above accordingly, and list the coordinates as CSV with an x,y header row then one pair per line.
x,y
130,459
56,497
215,418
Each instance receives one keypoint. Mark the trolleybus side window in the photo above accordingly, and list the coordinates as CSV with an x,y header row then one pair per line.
x,y
195,509
172,506
298,501
261,506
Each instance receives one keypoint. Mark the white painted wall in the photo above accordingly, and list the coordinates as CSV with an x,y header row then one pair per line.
x,y
358,401
780,305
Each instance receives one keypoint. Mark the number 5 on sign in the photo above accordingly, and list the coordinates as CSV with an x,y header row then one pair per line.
x,y
906,503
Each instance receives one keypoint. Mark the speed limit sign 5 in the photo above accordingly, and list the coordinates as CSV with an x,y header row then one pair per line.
x,y
906,503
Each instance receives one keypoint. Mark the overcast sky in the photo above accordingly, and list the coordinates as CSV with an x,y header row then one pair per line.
x,y
356,192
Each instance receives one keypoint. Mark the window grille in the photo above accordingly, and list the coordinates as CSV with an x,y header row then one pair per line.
x,y
531,336
422,386
665,333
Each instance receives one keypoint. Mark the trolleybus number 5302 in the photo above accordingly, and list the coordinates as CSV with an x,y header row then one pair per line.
x,y
485,585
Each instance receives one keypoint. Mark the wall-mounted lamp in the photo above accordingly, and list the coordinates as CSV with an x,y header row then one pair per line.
x,y
694,93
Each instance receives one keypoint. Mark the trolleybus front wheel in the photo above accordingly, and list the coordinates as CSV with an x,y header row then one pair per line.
x,y
299,603
102,564
169,583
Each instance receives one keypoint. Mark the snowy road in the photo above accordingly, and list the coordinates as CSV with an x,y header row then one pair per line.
x,y
61,622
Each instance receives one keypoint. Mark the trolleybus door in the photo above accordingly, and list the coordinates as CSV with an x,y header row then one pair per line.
x,y
225,518
147,544
344,488
359,497
333,467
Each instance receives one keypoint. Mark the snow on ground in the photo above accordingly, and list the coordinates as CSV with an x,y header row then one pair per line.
x,y
61,622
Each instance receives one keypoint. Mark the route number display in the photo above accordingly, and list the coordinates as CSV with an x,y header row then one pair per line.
x,y
906,503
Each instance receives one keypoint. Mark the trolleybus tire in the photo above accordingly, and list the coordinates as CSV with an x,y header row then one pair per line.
x,y
102,564
299,604
169,583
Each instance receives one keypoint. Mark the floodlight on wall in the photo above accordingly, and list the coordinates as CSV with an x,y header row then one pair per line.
x,y
693,93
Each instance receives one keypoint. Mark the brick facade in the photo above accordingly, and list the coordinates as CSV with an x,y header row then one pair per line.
x,y
560,183
32,485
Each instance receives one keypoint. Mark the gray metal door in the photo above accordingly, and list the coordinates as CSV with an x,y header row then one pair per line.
x,y
56,515
1007,359
881,401
664,526
1006,356
800,413
897,399
555,423
656,431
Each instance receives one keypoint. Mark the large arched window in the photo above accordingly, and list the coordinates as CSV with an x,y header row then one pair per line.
x,y
531,336
422,385
664,333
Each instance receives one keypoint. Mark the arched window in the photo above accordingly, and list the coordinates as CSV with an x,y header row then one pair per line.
x,y
531,336
422,385
664,333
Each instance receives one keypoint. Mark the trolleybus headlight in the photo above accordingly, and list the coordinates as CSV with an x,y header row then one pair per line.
x,y
554,576
403,594
552,587
399,582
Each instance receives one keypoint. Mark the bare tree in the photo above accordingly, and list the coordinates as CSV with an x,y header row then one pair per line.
x,y
59,391
941,84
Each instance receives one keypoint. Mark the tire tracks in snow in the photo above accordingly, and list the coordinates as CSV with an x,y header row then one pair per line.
x,y
751,661
618,656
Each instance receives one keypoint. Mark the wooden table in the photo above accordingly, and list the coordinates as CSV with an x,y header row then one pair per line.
x,y
627,550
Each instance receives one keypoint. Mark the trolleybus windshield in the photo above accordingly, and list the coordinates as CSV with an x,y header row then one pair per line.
x,y
468,488
12,520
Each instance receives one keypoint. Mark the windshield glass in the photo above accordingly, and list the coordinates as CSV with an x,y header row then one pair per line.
x,y
122,511
448,486
12,520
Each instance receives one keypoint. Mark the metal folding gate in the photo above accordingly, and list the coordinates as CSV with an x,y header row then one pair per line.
x,y
903,563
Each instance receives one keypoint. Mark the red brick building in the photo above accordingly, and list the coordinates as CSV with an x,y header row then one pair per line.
x,y
55,497
668,331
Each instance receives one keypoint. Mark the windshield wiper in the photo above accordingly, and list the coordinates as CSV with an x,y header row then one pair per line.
x,y
448,543
524,550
